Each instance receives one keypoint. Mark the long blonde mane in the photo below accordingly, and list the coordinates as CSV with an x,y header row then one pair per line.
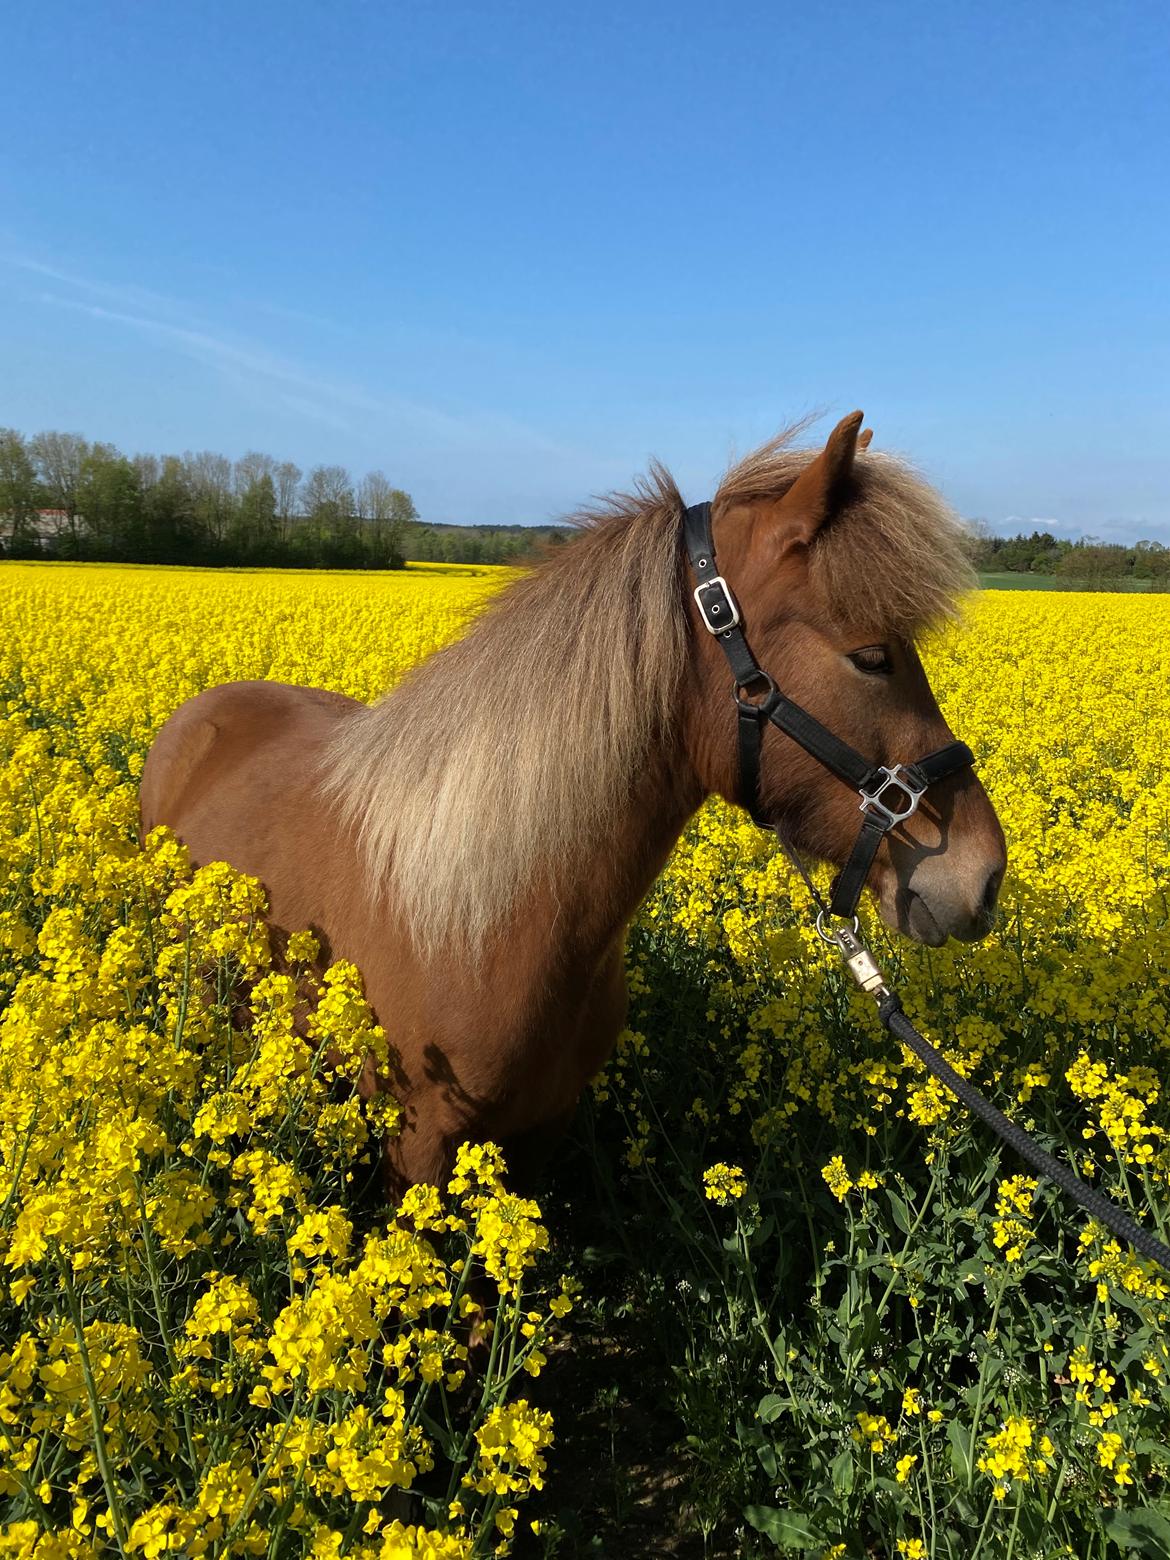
x,y
497,761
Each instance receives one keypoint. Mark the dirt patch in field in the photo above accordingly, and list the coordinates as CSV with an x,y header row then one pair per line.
x,y
617,1473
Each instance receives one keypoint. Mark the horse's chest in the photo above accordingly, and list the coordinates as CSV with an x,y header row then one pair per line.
x,y
527,1060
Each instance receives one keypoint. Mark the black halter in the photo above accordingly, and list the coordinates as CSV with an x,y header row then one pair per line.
x,y
888,795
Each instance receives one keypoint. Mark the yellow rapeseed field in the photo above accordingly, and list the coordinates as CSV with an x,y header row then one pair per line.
x,y
212,1342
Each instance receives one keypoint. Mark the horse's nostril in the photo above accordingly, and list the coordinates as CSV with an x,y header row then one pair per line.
x,y
991,894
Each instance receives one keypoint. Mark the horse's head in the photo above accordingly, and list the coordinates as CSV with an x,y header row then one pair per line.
x,y
838,561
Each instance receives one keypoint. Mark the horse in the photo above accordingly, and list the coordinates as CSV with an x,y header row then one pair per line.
x,y
478,841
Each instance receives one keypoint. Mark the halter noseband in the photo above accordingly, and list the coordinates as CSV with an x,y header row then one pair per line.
x,y
889,795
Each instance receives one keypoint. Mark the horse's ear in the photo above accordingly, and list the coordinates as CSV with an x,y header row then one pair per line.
x,y
817,492
865,438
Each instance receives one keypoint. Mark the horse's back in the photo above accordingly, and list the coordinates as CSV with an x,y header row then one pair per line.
x,y
232,768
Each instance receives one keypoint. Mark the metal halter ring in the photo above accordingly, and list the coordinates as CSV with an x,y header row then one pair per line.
x,y
831,937
898,779
762,705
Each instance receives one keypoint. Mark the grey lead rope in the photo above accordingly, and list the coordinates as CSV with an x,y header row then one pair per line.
x,y
863,967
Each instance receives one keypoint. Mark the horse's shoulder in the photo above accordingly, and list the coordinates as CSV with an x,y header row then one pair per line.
x,y
259,700
218,728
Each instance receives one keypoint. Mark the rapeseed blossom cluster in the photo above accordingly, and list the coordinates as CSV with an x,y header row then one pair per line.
x,y
212,1341
1015,1453
194,1304
724,1183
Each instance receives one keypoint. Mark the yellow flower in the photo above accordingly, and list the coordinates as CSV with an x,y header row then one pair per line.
x,y
724,1183
875,1431
836,1177
1006,1457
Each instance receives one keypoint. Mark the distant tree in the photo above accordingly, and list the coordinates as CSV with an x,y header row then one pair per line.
x,y
168,508
422,544
59,459
385,512
19,496
1016,553
257,525
402,509
248,470
209,479
149,468
327,502
1151,561
1093,565
111,503
1045,560
980,543
203,507
287,478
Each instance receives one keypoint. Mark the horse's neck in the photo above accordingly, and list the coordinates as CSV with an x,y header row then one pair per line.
x,y
595,895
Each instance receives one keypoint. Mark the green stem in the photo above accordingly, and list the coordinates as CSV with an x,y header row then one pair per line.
x,y
99,1440
1059,1485
1015,1526
898,1263
160,1313
461,1450
929,1486
983,1530
258,1484
980,1393
762,1324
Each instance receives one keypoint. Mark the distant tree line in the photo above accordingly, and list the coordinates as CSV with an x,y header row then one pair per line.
x,y
480,543
1086,563
64,497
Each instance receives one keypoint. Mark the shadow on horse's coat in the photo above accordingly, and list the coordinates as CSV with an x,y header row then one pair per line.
x,y
477,842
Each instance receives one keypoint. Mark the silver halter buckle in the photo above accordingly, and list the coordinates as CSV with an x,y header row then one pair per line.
x,y
716,605
896,779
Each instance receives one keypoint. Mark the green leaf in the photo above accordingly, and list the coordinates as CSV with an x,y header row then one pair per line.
x,y
842,1471
1145,1530
786,1529
769,1408
865,1327
768,1462
960,1438
899,1209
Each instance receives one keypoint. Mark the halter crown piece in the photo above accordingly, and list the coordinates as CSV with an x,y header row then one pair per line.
x,y
889,795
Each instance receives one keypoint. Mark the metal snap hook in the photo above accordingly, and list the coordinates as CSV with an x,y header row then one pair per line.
x,y
831,937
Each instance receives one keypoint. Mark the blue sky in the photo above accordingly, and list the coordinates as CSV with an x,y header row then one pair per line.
x,y
508,252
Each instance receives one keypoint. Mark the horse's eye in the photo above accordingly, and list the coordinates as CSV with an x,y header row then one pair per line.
x,y
874,658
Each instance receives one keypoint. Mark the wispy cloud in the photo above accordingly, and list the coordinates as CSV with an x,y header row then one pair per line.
x,y
1116,529
315,396
315,412
216,350
1011,525
282,311
114,292
473,462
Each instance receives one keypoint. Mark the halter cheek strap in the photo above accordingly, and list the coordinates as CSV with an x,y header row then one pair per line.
x,y
888,795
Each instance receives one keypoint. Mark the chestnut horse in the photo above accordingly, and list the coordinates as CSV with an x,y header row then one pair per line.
x,y
477,842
